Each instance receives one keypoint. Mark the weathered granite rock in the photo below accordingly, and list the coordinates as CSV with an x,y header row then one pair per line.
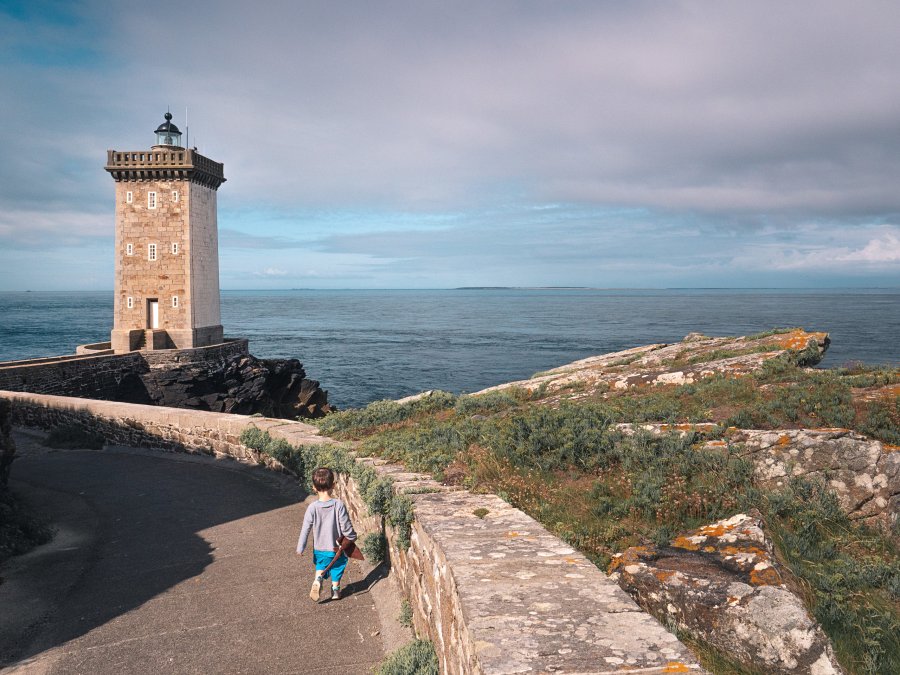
x,y
241,384
722,584
694,358
864,473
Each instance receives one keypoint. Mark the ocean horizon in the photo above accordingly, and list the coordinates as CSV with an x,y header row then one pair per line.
x,y
369,344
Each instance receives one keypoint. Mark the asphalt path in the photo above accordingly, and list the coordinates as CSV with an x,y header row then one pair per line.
x,y
167,563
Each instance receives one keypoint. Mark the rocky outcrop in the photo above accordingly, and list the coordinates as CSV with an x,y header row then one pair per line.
x,y
863,473
242,384
694,358
722,584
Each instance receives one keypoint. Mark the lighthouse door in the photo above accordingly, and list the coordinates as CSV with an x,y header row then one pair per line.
x,y
153,313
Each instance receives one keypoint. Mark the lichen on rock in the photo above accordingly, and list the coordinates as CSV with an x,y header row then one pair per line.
x,y
721,584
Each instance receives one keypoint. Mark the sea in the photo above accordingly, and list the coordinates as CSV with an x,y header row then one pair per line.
x,y
366,345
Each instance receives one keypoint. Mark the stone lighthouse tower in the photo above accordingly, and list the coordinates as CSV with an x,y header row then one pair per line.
x,y
167,249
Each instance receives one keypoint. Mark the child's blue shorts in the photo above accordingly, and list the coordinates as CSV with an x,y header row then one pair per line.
x,y
322,558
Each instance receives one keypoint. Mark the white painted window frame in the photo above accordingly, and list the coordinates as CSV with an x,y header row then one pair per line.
x,y
129,303
151,200
151,251
174,248
129,197
175,301
129,249
174,195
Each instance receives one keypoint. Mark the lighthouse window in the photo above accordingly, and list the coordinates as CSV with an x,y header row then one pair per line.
x,y
174,195
174,248
130,302
151,200
129,197
151,252
174,301
129,249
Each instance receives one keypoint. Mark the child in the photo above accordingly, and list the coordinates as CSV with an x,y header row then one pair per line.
x,y
329,521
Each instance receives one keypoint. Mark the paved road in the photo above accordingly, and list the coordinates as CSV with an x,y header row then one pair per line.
x,y
172,564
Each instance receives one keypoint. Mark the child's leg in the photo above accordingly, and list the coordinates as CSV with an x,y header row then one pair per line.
x,y
321,559
337,571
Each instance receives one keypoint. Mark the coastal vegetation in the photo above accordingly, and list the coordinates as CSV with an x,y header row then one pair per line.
x,y
416,658
560,456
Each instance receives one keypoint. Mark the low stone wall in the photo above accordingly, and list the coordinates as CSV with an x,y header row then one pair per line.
x,y
106,376
96,349
95,376
495,592
198,355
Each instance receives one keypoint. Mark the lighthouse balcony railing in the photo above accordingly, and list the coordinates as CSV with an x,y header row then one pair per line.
x,y
165,158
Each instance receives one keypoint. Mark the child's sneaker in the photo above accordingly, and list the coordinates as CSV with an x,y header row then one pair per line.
x,y
316,588
335,592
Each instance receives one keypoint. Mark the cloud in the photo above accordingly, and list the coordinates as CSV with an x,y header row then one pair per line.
x,y
422,143
885,249
874,251
271,272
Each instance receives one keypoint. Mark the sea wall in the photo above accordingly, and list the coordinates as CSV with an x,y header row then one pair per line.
x,y
489,585
105,375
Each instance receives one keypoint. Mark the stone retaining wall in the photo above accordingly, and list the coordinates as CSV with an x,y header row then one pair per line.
x,y
105,376
496,592
82,376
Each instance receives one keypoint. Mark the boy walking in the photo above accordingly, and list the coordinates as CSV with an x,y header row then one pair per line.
x,y
328,519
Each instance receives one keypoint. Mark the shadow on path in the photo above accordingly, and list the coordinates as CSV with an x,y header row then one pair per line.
x,y
170,564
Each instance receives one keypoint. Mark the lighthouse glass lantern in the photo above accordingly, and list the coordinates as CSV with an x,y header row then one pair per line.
x,y
167,133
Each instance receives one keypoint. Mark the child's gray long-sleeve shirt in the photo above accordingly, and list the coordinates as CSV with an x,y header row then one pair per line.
x,y
329,521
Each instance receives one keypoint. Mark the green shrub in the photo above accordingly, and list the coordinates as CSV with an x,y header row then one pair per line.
x,y
769,333
72,436
400,515
416,658
374,547
406,614
880,421
853,574
357,422
492,402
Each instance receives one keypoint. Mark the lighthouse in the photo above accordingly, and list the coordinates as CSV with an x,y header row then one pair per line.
x,y
166,245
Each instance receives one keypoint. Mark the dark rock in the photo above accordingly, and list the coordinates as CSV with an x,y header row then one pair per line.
x,y
242,384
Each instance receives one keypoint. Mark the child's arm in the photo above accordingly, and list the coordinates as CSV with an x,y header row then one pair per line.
x,y
304,531
344,522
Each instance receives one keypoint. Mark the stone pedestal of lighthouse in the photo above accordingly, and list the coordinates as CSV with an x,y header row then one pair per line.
x,y
167,251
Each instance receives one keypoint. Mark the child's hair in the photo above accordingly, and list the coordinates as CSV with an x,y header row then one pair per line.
x,y
323,479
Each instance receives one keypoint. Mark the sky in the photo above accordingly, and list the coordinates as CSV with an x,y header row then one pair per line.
x,y
441,144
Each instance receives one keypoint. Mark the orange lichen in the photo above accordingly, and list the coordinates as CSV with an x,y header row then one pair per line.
x,y
890,448
735,550
715,530
663,575
676,667
717,444
765,577
784,439
685,543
